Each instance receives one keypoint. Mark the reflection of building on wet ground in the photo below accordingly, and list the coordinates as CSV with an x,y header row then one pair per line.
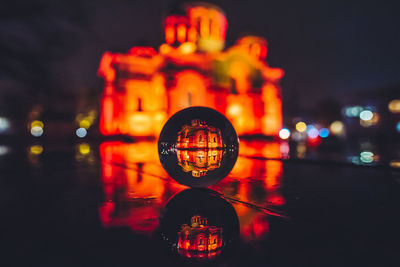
x,y
199,238
199,161
199,135
136,186
144,87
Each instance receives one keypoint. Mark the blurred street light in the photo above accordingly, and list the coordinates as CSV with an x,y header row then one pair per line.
x,y
284,133
301,126
81,132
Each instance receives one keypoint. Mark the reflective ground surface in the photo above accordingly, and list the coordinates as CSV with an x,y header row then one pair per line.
x,y
100,205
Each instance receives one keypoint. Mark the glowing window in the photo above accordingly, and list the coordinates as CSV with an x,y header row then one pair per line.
x,y
139,108
181,33
169,34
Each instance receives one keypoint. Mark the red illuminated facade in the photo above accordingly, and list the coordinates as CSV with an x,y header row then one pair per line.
x,y
199,240
144,86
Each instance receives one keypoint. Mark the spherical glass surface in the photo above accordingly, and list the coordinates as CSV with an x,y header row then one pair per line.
x,y
198,225
198,146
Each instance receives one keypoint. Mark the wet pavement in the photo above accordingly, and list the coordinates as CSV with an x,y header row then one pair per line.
x,y
113,204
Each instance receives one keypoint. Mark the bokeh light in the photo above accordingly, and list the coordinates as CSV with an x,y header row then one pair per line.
x,y
4,150
234,110
337,127
366,115
395,163
366,157
324,132
37,123
84,148
284,149
4,125
301,126
187,48
81,132
36,149
37,131
297,136
398,126
284,133
85,124
312,131
394,106
353,111
373,121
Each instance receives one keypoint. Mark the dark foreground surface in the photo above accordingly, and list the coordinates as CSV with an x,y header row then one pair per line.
x,y
100,205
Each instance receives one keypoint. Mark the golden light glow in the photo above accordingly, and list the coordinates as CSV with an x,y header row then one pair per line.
x,y
395,164
371,122
84,148
187,48
36,149
301,126
337,127
165,49
394,106
234,110
37,123
85,124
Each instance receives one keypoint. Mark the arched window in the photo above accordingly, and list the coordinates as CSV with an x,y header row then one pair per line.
x,y
189,99
139,106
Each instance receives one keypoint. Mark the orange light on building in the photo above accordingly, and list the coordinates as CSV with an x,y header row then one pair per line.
x,y
169,34
142,51
187,48
191,69
204,27
106,69
192,34
165,49
256,50
198,240
181,33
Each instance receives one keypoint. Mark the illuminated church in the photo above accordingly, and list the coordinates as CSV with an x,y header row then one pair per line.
x,y
145,86
199,240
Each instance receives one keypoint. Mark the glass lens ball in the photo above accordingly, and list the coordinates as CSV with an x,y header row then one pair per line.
x,y
198,146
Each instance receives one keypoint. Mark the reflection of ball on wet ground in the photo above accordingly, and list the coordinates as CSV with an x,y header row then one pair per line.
x,y
198,146
198,224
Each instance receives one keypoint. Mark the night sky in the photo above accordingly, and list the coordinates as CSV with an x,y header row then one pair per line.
x,y
327,49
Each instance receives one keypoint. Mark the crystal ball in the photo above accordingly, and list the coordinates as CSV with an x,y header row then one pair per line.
x,y
198,146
